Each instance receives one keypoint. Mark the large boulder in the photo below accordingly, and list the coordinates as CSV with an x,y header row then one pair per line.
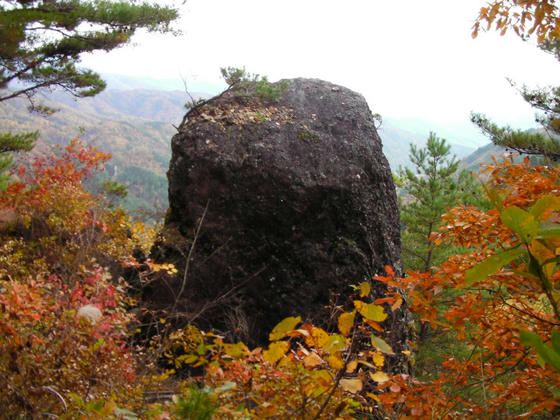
x,y
278,207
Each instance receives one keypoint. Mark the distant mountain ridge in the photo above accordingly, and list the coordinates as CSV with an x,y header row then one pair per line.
x,y
481,156
122,82
396,145
396,137
136,127
118,123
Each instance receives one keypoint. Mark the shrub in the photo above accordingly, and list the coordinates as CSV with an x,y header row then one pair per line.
x,y
253,84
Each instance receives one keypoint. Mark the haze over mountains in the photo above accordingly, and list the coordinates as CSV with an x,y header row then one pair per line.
x,y
458,133
134,119
115,122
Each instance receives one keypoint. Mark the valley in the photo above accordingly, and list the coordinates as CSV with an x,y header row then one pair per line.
x,y
136,123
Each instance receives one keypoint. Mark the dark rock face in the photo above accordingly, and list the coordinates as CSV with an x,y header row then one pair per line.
x,y
294,200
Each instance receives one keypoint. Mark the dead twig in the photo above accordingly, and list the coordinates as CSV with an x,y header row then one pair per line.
x,y
189,256
57,394
196,106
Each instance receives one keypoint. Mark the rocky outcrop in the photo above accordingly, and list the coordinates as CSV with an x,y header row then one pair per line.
x,y
288,203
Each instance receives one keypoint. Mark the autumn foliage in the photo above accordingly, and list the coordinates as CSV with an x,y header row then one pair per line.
x,y
54,236
305,373
524,17
505,287
66,327
498,300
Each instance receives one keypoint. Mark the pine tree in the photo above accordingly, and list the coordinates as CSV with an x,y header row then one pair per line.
x,y
430,190
41,42
10,143
432,187
544,142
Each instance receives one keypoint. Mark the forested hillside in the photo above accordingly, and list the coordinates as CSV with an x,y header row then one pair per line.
x,y
482,155
135,126
442,306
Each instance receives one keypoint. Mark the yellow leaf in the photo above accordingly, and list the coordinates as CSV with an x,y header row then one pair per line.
x,y
335,361
286,325
407,352
373,396
368,364
351,366
379,376
346,322
351,385
370,311
365,289
312,360
322,377
335,343
319,338
276,351
378,359
235,351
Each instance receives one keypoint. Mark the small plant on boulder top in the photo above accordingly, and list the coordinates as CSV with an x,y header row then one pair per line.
x,y
253,84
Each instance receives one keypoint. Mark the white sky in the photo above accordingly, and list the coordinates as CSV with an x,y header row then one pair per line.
x,y
409,58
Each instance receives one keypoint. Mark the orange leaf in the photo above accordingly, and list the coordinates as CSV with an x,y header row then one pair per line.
x,y
389,270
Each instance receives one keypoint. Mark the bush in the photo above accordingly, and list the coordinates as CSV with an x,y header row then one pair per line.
x,y
253,84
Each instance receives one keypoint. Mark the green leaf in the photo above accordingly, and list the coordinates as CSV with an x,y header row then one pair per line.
x,y
556,340
548,231
494,197
529,338
540,361
381,345
545,352
286,325
366,363
370,311
125,414
189,359
480,271
550,356
521,222
546,202
94,406
98,344
77,399
335,343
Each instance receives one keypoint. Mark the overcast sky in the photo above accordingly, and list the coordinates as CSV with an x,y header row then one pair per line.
x,y
409,58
